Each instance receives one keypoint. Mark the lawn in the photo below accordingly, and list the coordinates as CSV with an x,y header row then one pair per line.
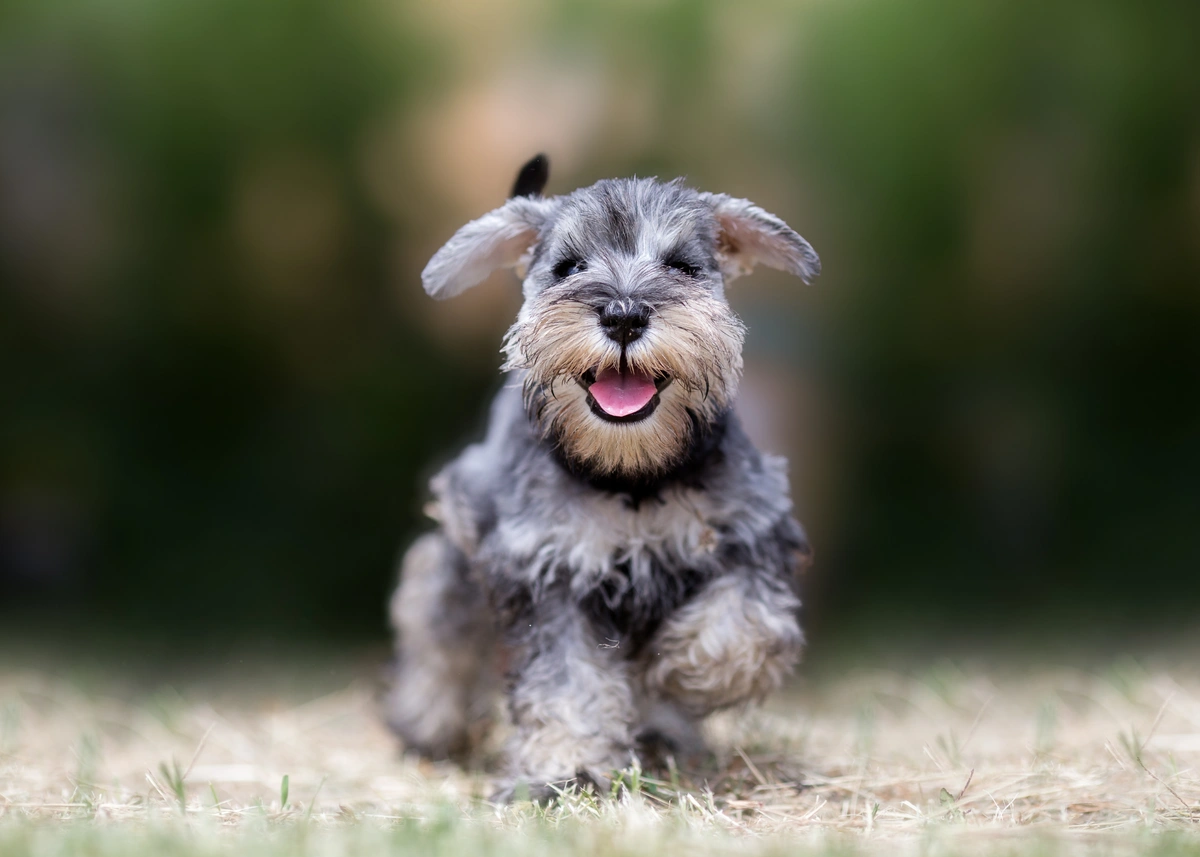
x,y
946,758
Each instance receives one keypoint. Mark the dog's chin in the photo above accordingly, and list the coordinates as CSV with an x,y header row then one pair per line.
x,y
643,443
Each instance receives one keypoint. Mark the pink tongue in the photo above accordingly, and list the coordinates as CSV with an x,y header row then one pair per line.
x,y
622,393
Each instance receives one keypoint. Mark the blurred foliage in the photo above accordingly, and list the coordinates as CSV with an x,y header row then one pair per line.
x,y
196,432
1019,185
216,414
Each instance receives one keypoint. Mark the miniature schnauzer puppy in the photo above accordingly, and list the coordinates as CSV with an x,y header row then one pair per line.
x,y
615,545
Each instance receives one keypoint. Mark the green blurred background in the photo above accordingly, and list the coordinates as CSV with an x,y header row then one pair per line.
x,y
222,388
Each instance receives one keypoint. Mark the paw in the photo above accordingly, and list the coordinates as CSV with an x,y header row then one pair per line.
x,y
547,793
659,750
455,747
723,650
435,732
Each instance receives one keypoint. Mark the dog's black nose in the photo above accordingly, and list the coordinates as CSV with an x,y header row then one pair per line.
x,y
624,321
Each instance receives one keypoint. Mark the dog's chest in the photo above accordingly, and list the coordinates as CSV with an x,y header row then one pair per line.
x,y
589,538
626,566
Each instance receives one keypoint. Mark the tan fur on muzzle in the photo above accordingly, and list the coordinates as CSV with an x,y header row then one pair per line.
x,y
693,338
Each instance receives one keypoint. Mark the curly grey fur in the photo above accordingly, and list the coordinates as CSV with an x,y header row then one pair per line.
x,y
639,575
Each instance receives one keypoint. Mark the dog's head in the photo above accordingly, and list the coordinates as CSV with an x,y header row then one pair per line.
x,y
629,349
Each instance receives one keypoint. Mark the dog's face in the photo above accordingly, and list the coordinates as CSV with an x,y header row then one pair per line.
x,y
628,346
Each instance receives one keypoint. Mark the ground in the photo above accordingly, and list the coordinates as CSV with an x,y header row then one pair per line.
x,y
944,758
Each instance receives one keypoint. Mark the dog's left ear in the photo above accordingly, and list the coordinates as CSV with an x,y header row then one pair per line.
x,y
749,236
499,239
532,178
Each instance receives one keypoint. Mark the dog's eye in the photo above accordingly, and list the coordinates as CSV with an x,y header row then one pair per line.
x,y
569,267
683,266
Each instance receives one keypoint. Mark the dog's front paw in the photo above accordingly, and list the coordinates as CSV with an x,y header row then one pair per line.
x,y
546,792
730,645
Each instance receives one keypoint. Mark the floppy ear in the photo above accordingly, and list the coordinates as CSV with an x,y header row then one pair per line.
x,y
748,236
499,239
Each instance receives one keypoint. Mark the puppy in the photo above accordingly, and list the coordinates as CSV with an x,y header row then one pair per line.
x,y
615,535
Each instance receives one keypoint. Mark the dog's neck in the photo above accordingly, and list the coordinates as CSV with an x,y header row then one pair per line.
x,y
703,452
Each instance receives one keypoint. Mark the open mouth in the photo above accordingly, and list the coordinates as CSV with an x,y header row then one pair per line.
x,y
623,395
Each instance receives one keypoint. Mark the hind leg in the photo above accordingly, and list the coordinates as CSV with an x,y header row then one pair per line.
x,y
444,674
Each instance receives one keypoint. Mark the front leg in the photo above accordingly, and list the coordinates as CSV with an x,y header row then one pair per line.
x,y
733,643
571,701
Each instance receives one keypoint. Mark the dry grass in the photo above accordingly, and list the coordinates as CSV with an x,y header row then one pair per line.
x,y
933,761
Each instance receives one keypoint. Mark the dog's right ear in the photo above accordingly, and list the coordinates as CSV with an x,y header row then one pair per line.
x,y
499,239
